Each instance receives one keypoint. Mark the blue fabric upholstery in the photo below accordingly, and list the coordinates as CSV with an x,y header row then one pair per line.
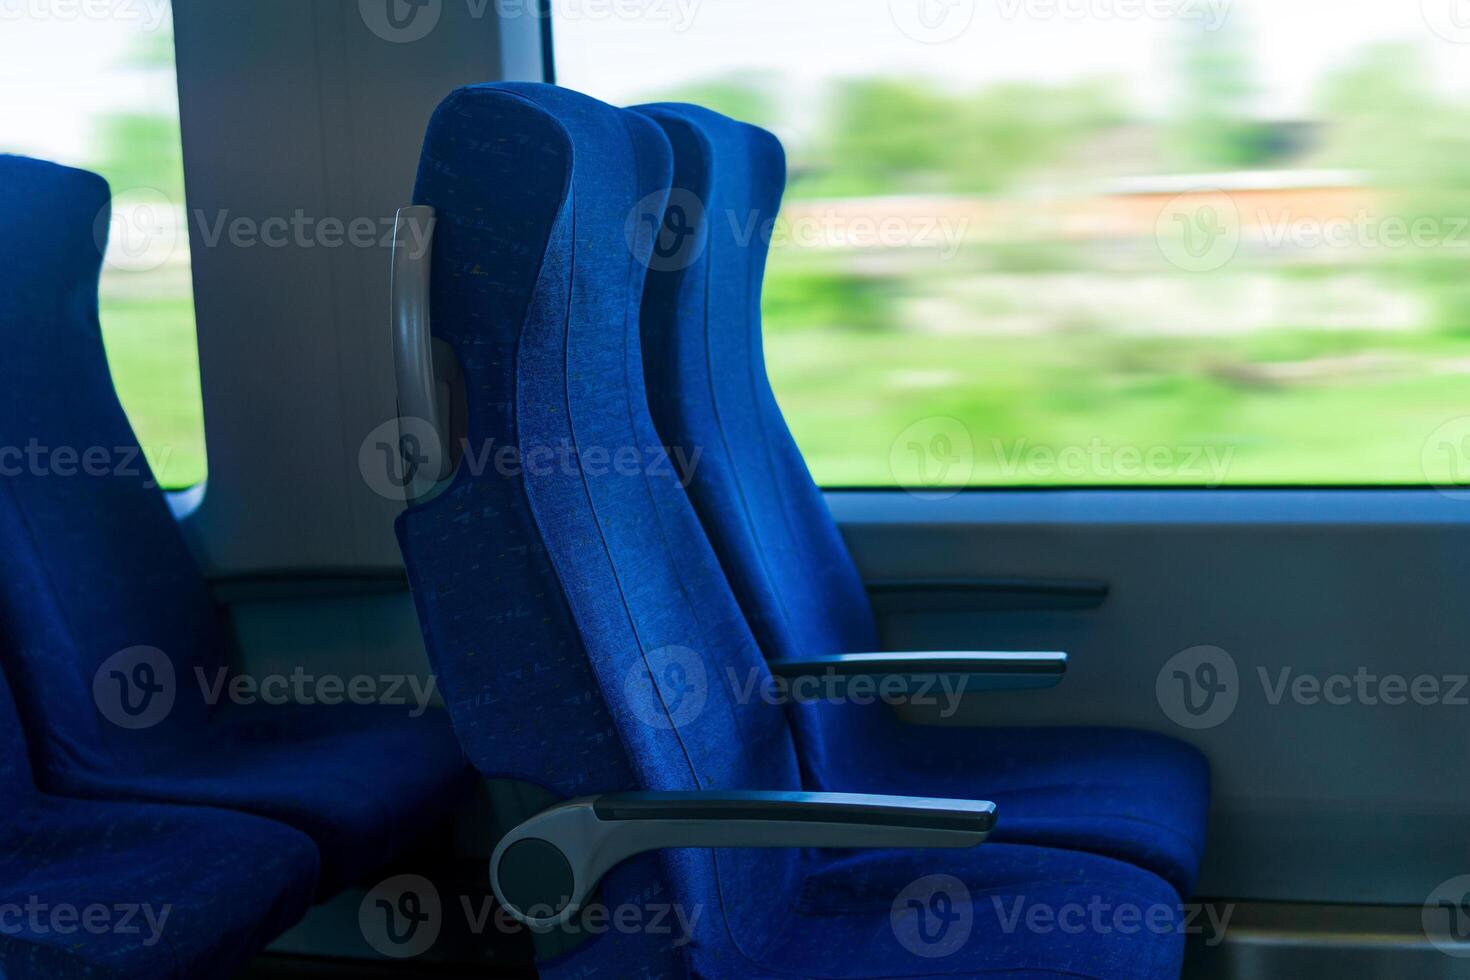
x,y
1131,795
92,562
176,892
1124,794
579,621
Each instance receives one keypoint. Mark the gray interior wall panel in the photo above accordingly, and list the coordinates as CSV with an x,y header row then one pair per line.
x,y
291,109
1314,801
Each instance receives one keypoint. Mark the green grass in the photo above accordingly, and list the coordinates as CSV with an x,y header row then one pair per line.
x,y
859,396
153,349
1287,406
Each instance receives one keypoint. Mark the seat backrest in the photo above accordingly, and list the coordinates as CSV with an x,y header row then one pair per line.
x,y
578,622
16,779
779,545
92,561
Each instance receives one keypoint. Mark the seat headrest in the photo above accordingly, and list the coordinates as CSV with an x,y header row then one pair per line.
x,y
53,226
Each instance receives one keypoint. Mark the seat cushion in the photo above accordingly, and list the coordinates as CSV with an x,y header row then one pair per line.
x,y
992,911
998,911
1126,794
95,564
361,780
204,889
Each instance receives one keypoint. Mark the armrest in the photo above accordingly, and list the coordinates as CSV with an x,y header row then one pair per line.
x,y
971,672
544,869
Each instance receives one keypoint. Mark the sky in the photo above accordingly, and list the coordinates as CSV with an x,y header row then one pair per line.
x,y
621,59
60,69
57,70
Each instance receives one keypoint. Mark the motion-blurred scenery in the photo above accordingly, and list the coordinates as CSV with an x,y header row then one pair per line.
x,y
1180,274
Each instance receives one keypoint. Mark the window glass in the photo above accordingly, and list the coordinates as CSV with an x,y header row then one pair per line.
x,y
1095,242
92,85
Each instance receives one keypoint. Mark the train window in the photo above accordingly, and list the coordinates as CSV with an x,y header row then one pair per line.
x,y
1095,242
92,85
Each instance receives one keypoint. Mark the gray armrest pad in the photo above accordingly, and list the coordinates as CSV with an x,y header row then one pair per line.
x,y
545,869
970,671
928,662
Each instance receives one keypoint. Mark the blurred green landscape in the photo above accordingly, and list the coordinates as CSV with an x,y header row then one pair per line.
x,y
1073,323
1052,305
147,309
152,347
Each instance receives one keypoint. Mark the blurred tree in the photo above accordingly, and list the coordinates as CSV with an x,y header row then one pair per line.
x,y
1385,119
884,135
1212,125
140,148
153,50
907,136
888,136
1379,113
1006,132
749,97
